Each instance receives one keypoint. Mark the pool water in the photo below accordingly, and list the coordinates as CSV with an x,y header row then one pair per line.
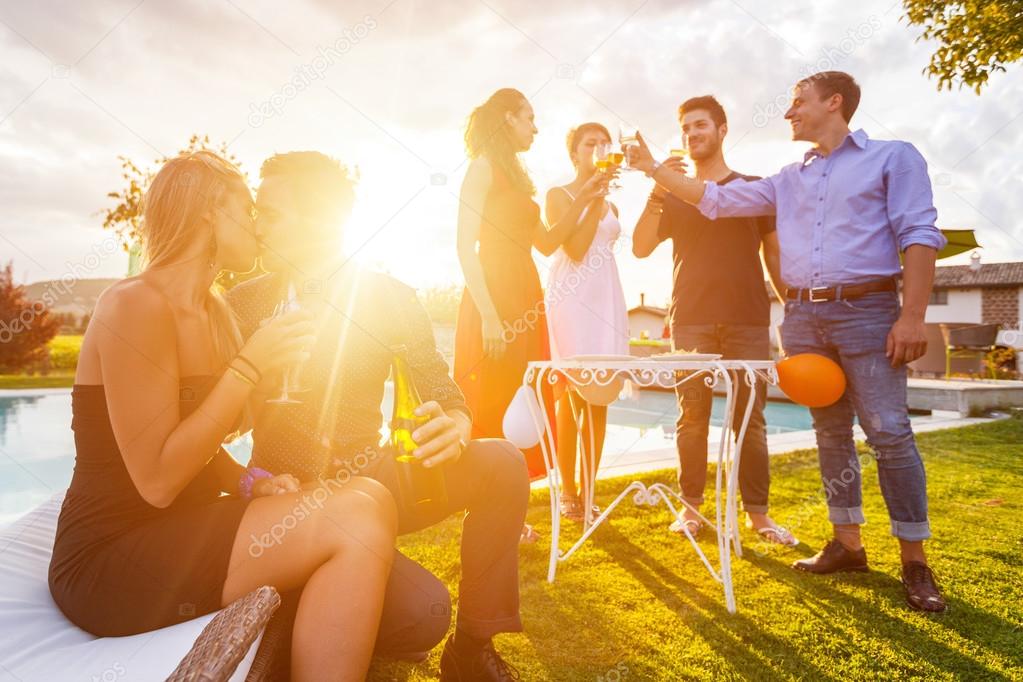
x,y
37,444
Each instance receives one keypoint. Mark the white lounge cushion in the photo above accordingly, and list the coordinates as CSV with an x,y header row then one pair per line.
x,y
38,643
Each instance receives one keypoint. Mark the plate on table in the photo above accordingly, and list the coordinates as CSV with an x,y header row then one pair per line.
x,y
600,358
686,357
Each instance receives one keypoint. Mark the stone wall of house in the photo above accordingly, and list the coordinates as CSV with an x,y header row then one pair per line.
x,y
1000,306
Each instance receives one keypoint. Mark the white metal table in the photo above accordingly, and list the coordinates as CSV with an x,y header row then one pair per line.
x,y
665,374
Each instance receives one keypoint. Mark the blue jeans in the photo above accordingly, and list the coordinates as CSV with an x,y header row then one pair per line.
x,y
853,333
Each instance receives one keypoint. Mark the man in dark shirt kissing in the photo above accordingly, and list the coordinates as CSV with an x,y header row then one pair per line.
x,y
334,431
719,304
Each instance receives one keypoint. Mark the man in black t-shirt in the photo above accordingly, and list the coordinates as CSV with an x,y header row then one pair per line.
x,y
719,304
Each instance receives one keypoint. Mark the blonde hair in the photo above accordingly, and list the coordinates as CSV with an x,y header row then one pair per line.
x,y
183,193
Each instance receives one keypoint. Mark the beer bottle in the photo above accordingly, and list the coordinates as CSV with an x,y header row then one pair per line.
x,y
421,490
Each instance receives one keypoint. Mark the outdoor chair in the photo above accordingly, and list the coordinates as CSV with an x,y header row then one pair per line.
x,y
968,341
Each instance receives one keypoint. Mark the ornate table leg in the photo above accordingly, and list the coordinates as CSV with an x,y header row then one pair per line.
x,y
535,379
723,511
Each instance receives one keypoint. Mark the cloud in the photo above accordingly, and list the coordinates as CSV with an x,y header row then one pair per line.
x,y
396,100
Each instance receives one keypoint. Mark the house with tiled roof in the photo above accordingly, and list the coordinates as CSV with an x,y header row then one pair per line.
x,y
980,293
647,320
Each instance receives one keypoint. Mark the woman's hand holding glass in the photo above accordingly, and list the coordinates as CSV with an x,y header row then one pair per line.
x,y
596,186
281,342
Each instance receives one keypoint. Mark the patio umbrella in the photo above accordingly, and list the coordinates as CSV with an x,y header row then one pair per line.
x,y
959,241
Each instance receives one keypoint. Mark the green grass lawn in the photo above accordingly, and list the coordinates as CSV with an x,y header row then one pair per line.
x,y
637,604
59,379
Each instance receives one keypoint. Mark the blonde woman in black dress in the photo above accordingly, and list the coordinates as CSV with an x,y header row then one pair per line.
x,y
145,537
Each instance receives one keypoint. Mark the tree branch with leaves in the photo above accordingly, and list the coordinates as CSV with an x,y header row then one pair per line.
x,y
976,38
125,216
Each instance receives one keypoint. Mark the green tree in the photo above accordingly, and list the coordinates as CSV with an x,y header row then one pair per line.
x,y
976,38
125,216
25,326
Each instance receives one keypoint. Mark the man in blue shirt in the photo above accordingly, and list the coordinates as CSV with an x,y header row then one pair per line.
x,y
844,215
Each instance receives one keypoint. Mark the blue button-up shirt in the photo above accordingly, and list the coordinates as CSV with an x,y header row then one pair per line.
x,y
842,218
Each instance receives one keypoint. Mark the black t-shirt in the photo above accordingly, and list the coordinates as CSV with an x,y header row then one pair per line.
x,y
718,277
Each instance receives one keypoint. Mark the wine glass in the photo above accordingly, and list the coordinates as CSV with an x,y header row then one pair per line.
x,y
605,159
629,137
290,378
615,158
682,152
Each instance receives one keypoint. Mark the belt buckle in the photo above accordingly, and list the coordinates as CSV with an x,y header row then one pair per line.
x,y
813,295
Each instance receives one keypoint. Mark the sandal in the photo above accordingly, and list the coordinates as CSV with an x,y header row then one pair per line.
x,y
528,536
778,535
571,508
692,527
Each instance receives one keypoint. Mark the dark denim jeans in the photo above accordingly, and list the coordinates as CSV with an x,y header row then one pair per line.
x,y
853,333
695,399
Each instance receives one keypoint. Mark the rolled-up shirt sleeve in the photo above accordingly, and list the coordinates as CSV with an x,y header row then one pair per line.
x,y
909,201
738,199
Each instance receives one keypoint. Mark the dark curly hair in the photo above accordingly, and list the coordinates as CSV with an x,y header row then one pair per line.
x,y
486,135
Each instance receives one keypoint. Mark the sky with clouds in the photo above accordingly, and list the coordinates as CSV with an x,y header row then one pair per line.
x,y
387,85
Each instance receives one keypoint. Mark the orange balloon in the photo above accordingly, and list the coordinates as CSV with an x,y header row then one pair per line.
x,y
811,379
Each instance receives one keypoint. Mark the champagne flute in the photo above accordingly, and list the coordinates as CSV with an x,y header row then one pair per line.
x,y
615,158
629,137
289,380
682,152
601,156
603,153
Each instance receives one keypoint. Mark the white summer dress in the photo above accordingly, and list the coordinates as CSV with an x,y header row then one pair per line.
x,y
585,303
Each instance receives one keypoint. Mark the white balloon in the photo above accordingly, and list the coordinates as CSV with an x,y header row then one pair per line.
x,y
523,420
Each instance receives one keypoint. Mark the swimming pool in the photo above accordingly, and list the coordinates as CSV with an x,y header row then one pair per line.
x,y
37,445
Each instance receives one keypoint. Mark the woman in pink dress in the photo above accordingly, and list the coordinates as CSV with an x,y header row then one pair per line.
x,y
585,304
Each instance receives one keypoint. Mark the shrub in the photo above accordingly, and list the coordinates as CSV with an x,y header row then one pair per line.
x,y
25,326
64,352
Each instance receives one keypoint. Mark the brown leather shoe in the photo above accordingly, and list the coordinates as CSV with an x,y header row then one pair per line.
x,y
481,665
833,558
922,592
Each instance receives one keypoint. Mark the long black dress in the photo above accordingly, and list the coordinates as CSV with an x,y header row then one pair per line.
x,y
121,566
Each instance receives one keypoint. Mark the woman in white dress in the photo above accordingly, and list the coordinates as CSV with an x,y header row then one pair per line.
x,y
585,304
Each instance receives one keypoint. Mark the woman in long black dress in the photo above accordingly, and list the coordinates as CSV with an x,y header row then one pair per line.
x,y
145,537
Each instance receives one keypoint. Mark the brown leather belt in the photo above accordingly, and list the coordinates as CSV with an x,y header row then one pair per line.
x,y
841,292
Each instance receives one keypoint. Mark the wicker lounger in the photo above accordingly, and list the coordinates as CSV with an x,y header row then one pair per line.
x,y
227,638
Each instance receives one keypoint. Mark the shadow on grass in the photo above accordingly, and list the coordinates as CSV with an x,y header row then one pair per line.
x,y
818,591
724,632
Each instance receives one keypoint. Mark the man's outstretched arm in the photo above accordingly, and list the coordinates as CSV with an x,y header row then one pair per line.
x,y
734,200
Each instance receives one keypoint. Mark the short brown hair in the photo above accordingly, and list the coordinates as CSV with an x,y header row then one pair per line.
x,y
316,179
707,103
828,83
576,134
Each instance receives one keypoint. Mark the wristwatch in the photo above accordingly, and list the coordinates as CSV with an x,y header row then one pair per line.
x,y
653,169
